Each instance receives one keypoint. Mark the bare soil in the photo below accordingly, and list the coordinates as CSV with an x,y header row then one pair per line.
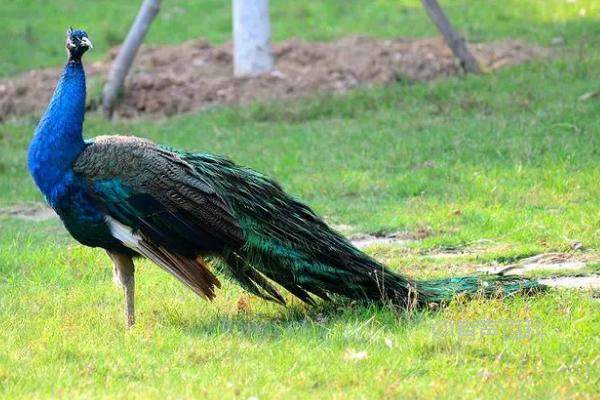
x,y
29,211
559,262
363,240
573,282
168,80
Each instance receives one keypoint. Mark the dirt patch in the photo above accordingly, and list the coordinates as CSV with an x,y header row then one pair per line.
x,y
565,263
168,80
446,254
558,262
573,282
472,249
363,240
29,211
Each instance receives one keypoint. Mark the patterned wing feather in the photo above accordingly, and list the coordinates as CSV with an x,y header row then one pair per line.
x,y
173,212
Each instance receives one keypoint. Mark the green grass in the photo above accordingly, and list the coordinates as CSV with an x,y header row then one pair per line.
x,y
32,28
506,164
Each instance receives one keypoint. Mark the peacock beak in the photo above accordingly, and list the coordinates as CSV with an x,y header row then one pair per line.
x,y
86,42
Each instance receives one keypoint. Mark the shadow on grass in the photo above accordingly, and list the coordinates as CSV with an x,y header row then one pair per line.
x,y
318,321
331,320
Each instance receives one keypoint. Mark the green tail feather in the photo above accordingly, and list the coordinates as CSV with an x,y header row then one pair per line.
x,y
444,290
287,243
372,281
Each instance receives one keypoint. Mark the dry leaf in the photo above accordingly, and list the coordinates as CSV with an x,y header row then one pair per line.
x,y
389,342
320,318
243,304
589,95
353,355
576,245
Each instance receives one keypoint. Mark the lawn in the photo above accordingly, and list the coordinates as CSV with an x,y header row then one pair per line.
x,y
501,166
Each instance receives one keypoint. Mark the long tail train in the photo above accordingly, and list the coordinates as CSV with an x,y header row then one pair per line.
x,y
287,243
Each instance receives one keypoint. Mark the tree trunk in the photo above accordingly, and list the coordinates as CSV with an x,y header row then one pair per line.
x,y
454,40
122,63
251,37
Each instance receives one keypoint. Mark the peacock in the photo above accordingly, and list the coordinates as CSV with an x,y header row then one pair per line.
x,y
195,213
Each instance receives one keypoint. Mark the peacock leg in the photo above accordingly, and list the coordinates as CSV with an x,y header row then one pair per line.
x,y
123,275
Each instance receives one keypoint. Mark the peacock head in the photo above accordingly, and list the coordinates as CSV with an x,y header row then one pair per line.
x,y
77,44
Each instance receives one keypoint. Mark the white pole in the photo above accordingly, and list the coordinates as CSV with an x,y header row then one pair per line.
x,y
251,37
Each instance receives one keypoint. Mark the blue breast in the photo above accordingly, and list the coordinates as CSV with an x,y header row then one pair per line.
x,y
83,218
58,137
57,143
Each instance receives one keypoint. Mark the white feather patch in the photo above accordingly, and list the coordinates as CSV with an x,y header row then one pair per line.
x,y
123,233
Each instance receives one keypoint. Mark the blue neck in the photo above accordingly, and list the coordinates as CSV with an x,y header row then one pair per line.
x,y
58,138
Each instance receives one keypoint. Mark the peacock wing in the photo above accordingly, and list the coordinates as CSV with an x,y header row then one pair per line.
x,y
159,206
